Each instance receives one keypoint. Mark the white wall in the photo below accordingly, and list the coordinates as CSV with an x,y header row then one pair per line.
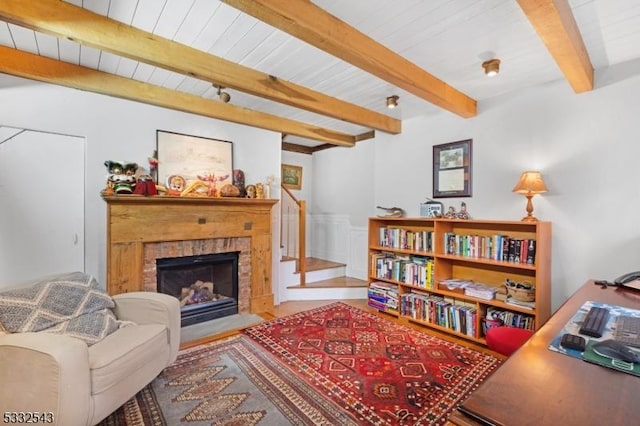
x,y
586,146
117,129
344,181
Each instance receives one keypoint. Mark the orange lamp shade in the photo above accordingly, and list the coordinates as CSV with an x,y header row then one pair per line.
x,y
530,183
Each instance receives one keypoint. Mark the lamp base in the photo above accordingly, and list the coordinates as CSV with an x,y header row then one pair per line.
x,y
529,217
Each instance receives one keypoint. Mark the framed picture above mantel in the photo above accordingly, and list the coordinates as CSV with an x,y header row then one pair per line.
x,y
452,169
183,159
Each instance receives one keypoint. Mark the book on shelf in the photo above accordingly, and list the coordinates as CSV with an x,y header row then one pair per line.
x,y
531,252
497,247
383,296
444,311
512,250
513,301
505,249
481,291
405,239
510,318
517,250
454,284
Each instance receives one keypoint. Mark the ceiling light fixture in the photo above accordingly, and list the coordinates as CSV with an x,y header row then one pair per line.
x,y
491,67
392,101
224,96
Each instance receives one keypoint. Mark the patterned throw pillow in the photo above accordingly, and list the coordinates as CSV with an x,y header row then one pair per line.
x,y
3,330
51,301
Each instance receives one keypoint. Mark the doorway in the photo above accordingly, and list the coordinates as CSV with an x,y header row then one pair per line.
x,y
41,204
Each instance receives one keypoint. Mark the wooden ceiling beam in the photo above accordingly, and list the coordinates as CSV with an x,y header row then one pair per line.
x,y
294,147
303,149
308,22
555,24
40,68
366,135
82,26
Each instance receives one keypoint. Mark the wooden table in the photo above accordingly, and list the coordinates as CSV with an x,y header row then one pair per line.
x,y
536,386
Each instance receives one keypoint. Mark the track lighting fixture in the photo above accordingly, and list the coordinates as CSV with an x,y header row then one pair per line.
x,y
224,96
491,67
392,101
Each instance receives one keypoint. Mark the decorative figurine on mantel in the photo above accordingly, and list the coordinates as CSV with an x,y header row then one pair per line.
x,y
153,166
267,187
238,181
251,191
211,180
121,178
145,185
175,185
259,190
229,190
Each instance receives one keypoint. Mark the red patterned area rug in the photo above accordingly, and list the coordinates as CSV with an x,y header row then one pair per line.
x,y
232,382
380,372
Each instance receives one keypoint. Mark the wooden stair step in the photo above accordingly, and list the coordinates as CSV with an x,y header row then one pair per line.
x,y
334,283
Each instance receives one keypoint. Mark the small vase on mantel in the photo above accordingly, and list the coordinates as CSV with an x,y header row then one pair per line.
x,y
267,186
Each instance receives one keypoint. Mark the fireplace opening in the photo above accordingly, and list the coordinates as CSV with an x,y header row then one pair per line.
x,y
206,285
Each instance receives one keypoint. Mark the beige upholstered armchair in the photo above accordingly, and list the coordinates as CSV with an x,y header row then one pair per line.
x,y
82,382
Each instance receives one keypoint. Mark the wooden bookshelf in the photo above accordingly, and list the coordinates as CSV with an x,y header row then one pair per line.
x,y
479,262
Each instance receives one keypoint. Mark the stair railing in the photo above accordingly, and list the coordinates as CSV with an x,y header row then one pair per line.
x,y
293,224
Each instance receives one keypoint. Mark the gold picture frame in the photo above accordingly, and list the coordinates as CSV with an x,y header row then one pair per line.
x,y
291,176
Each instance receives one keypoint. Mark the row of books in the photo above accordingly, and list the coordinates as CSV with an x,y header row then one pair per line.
x,y
383,296
398,238
496,247
414,270
512,319
446,312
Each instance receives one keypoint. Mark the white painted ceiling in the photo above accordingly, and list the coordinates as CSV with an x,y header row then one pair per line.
x,y
447,38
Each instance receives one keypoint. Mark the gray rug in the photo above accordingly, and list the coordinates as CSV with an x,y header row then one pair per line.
x,y
217,326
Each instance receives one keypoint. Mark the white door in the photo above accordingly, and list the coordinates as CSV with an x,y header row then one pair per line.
x,y
41,204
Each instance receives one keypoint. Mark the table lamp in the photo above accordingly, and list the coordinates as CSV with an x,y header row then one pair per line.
x,y
530,184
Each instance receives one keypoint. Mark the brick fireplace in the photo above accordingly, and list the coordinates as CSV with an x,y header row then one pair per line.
x,y
177,249
143,229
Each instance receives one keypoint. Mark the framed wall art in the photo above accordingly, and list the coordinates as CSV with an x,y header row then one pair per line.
x,y
190,158
292,176
452,169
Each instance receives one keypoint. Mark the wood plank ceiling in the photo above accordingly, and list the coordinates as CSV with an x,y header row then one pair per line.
x,y
317,72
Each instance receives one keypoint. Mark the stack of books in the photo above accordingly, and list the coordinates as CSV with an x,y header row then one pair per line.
x,y
383,296
454,284
481,291
513,301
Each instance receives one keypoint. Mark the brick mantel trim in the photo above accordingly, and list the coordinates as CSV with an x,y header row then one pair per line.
x,y
133,221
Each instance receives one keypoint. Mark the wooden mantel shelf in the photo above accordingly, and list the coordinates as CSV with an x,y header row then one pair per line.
x,y
160,199
134,221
